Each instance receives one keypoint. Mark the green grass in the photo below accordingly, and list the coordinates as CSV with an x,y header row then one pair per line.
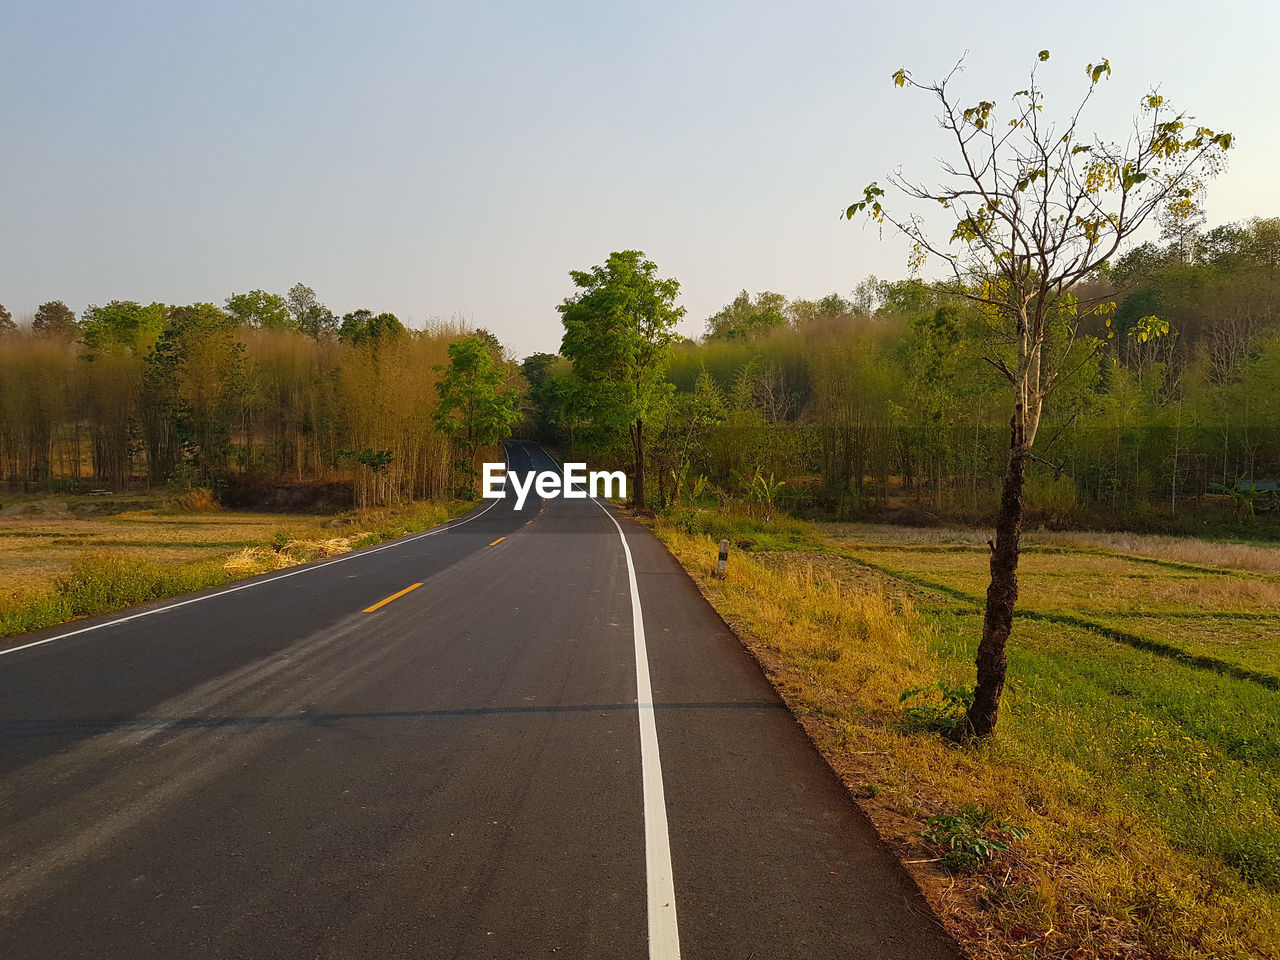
x,y
1139,738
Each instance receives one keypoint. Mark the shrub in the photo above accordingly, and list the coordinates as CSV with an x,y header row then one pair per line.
x,y
971,838
197,500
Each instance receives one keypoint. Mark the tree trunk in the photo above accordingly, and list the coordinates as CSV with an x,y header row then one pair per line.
x,y
1002,594
637,440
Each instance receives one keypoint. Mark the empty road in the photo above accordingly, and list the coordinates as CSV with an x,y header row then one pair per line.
x,y
522,735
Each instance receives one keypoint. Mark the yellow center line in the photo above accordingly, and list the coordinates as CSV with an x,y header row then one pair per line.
x,y
383,603
498,541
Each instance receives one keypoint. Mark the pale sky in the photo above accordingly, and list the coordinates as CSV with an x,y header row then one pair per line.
x,y
429,159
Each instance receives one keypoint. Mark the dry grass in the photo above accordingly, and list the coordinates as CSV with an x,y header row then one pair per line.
x,y
48,555
197,500
35,551
1233,556
1200,609
254,560
1148,786
1188,550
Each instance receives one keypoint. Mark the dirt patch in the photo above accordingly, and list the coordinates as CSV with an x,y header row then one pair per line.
x,y
37,508
307,496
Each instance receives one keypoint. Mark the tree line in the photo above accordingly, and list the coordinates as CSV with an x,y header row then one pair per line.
x,y
263,387
882,397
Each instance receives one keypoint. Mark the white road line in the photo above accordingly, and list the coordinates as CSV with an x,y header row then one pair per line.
x,y
664,934
255,582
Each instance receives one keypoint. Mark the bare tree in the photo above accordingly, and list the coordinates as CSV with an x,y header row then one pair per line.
x,y
1035,207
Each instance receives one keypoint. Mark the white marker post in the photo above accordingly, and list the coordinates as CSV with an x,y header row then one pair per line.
x,y
723,565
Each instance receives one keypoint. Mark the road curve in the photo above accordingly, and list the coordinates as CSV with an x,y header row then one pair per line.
x,y
433,749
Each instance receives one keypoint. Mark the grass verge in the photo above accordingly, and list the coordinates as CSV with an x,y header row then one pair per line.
x,y
1128,805
78,568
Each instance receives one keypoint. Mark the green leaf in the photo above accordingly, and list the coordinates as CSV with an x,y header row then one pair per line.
x,y
1044,55
1133,179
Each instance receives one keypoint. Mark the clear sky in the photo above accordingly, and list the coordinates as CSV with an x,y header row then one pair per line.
x,y
437,158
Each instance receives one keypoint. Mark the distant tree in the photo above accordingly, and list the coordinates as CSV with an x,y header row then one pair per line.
x,y
618,331
565,398
124,323
745,318
6,321
908,298
116,337
492,342
193,386
54,319
475,408
808,311
364,326
300,300
687,422
868,295
537,367
1136,266
319,323
310,315
1035,208
257,308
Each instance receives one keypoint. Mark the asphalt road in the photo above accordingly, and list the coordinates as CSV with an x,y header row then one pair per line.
x,y
473,769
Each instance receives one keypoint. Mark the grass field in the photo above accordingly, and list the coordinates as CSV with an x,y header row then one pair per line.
x,y
71,557
1140,733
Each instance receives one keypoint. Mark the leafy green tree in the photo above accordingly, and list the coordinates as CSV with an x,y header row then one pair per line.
x,y
908,299
193,382
476,408
687,424
539,373
563,398
122,323
6,321
618,331
363,326
745,318
187,376
868,295
802,312
932,356
54,319
310,315
257,308
538,368
491,341
1036,207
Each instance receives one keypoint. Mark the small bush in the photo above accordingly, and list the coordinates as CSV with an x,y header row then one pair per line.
x,y
197,500
971,838
733,523
942,707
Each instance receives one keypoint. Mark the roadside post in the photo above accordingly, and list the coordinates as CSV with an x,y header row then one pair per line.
x,y
724,558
